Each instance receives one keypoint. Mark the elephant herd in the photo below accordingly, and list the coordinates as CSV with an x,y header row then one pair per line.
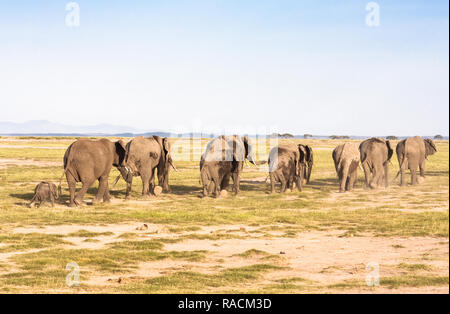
x,y
374,155
87,161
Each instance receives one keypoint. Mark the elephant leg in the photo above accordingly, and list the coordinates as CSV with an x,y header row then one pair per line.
x,y
351,180
129,185
42,203
52,199
300,183
225,182
208,188
72,184
283,183
309,173
375,178
402,177
163,181
106,195
102,187
211,187
355,176
151,183
145,184
236,182
290,183
272,182
80,195
413,176
366,174
344,177
422,169
216,181
166,186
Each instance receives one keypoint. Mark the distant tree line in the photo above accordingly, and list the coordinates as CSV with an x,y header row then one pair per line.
x,y
339,137
285,135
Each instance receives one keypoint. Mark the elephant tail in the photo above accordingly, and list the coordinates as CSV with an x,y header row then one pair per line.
x,y
67,161
402,164
363,157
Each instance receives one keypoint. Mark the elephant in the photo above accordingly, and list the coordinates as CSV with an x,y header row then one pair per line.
x,y
346,161
88,160
309,162
45,191
287,165
411,154
375,154
143,157
224,158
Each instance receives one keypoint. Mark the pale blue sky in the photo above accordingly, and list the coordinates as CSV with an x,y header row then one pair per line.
x,y
298,66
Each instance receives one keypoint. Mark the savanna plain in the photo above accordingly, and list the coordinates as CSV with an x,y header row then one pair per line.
x,y
314,241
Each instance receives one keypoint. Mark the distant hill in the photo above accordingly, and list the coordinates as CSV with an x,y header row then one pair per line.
x,y
47,128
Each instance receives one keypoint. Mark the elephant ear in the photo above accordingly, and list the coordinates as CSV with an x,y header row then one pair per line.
x,y
337,153
301,159
121,149
246,146
390,150
308,153
166,148
430,147
250,151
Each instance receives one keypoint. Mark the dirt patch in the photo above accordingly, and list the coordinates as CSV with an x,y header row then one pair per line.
x,y
319,257
5,163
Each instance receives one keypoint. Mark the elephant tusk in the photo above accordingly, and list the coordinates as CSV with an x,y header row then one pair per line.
x,y
173,166
116,180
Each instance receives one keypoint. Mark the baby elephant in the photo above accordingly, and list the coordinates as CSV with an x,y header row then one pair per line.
x,y
43,192
346,161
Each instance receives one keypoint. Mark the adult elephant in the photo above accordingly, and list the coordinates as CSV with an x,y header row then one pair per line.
x,y
375,154
86,161
309,159
143,157
411,154
287,165
224,158
346,161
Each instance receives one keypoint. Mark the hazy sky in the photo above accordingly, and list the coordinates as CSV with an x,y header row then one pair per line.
x,y
300,66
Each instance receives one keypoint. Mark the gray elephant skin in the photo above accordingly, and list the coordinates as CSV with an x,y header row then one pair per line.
x,y
346,161
86,161
224,159
43,192
287,165
145,155
411,154
309,162
375,154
